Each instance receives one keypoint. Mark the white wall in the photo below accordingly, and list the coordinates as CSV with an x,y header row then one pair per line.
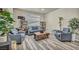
x,y
52,17
18,12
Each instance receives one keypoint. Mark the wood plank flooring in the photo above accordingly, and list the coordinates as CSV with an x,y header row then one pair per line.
x,y
47,44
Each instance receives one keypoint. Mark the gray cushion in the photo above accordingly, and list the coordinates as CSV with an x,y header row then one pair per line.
x,y
14,31
66,30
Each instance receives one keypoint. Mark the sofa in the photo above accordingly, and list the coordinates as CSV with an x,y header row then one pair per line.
x,y
34,29
64,36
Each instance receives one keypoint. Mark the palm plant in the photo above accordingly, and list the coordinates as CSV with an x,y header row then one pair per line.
x,y
74,24
6,22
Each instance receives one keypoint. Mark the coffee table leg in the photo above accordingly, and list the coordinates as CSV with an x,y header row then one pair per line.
x,y
34,36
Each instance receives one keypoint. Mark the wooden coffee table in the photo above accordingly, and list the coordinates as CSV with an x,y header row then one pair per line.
x,y
40,36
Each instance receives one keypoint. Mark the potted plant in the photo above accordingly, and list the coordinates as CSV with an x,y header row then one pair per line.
x,y
74,25
60,22
6,23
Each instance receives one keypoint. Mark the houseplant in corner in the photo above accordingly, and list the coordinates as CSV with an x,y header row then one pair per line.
x,y
74,25
6,22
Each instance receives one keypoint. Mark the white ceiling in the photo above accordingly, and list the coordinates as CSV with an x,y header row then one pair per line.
x,y
39,10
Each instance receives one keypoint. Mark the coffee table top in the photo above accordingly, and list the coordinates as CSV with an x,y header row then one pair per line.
x,y
38,33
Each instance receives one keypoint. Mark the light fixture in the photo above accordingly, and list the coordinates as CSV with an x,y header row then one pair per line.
x,y
42,9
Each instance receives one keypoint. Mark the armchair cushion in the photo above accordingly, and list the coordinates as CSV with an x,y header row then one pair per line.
x,y
14,31
66,30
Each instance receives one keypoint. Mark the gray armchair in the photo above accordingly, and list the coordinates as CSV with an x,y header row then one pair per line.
x,y
18,36
64,35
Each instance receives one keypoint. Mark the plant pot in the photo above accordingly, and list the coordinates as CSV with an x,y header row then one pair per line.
x,y
4,43
73,37
77,37
3,39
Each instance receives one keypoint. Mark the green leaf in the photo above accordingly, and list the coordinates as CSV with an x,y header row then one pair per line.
x,y
5,22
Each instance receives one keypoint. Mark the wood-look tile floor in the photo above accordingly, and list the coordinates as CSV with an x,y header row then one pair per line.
x,y
47,44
